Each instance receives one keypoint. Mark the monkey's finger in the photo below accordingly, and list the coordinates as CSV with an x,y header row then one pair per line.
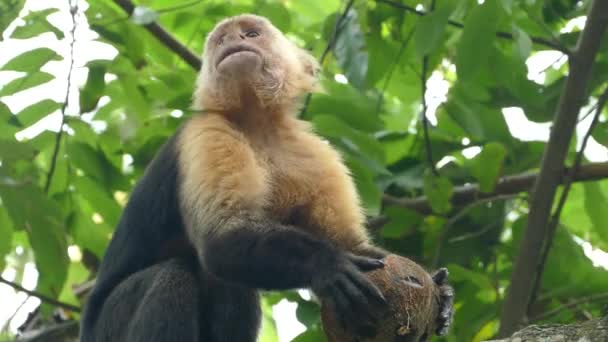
x,y
365,263
441,331
342,306
357,299
440,277
367,286
331,303
446,291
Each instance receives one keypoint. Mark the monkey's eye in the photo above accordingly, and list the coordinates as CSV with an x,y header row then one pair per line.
x,y
252,34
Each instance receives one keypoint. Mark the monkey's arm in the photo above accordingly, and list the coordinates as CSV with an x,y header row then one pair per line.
x,y
223,195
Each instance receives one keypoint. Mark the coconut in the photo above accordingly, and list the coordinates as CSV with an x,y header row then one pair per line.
x,y
413,305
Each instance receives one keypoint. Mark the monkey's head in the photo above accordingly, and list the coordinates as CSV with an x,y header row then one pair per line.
x,y
249,62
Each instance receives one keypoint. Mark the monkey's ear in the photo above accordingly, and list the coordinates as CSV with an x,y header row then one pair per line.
x,y
311,66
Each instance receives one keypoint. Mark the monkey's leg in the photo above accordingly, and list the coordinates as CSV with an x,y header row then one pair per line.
x,y
231,312
169,310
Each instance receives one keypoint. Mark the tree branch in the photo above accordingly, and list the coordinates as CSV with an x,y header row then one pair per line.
x,y
42,297
165,37
423,110
62,332
553,223
513,184
64,106
550,176
501,34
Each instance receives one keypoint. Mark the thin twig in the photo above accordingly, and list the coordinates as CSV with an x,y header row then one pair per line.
x,y
465,194
330,44
336,32
165,37
423,118
557,60
392,69
462,213
7,323
178,7
569,179
40,296
484,229
501,34
159,12
589,112
592,298
64,106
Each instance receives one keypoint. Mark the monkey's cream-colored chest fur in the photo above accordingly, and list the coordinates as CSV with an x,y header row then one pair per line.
x,y
291,176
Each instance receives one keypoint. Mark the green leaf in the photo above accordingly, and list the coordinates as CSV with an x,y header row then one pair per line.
x,y
6,236
477,39
37,24
308,313
359,142
350,51
583,278
401,221
430,29
600,133
366,186
438,191
9,10
12,150
348,104
9,124
487,166
595,204
480,122
99,199
89,235
25,82
277,13
32,113
32,60
88,159
522,44
43,221
311,335
268,330
480,280
93,89
507,5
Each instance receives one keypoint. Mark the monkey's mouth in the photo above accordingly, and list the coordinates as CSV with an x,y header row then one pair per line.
x,y
232,50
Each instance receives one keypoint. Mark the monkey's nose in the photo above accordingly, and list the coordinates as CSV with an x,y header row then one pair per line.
x,y
242,36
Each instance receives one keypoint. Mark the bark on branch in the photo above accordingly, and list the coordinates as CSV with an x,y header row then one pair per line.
x,y
593,330
551,172
507,185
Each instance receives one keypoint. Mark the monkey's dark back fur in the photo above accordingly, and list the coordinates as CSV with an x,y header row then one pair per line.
x,y
147,293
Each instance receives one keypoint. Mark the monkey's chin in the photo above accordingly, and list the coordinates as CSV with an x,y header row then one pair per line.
x,y
240,63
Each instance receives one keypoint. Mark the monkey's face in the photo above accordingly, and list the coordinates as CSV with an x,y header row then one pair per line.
x,y
237,49
246,56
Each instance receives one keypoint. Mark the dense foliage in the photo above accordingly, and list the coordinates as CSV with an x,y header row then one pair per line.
x,y
67,189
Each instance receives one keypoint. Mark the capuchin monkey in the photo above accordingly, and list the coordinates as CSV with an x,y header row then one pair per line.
x,y
243,197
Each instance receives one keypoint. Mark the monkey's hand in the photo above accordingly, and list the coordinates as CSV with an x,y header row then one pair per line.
x,y
341,284
446,301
